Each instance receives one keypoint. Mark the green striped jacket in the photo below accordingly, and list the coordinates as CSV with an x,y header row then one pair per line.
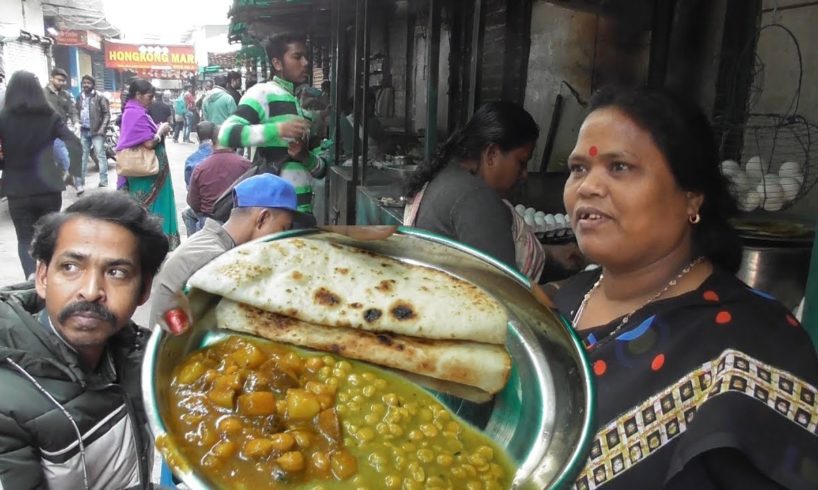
x,y
256,123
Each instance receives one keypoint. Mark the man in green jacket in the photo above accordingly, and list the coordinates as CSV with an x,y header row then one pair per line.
x,y
71,415
218,104
270,117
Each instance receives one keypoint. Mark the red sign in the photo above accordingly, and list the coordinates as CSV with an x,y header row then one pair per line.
x,y
142,57
82,39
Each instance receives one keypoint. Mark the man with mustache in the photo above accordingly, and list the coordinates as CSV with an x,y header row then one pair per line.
x,y
71,414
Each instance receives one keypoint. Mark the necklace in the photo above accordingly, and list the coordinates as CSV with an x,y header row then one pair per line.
x,y
627,317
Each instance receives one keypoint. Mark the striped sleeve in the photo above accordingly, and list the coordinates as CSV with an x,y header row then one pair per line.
x,y
258,117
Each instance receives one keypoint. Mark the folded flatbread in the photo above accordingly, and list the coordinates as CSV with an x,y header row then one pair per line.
x,y
324,283
484,366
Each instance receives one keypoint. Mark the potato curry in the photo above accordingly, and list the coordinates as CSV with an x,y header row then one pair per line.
x,y
252,414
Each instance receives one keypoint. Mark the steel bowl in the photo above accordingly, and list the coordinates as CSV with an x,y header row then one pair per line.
x,y
543,417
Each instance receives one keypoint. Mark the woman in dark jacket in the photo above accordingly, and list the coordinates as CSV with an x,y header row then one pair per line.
x,y
32,179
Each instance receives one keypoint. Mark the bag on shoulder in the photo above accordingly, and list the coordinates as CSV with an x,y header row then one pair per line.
x,y
137,162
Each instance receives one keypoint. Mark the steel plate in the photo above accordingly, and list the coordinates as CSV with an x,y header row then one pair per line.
x,y
543,417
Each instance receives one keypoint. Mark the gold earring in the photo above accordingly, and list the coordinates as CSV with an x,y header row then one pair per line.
x,y
694,220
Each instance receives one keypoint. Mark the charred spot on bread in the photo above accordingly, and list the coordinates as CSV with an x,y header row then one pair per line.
x,y
372,314
385,339
385,285
297,275
403,311
356,306
325,297
342,270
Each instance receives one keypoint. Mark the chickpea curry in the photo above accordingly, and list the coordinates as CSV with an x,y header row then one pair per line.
x,y
252,414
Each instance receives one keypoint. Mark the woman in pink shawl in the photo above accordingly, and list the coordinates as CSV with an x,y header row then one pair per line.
x,y
155,192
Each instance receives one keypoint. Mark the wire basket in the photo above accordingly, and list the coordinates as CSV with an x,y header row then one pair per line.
x,y
770,160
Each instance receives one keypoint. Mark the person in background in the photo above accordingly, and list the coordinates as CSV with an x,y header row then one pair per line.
x,y
32,180
63,104
179,110
206,131
702,382
218,104
263,204
270,117
2,89
459,193
94,117
250,80
190,113
71,414
60,98
207,88
155,192
234,86
160,110
208,182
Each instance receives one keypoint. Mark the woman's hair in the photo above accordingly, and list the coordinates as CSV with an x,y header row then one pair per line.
x,y
139,86
683,134
24,95
504,124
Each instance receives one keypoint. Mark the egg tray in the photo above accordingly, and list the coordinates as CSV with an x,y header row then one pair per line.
x,y
558,236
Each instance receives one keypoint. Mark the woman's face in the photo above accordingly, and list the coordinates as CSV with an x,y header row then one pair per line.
x,y
502,170
625,206
145,100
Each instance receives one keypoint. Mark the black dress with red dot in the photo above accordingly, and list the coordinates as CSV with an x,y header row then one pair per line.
x,y
712,389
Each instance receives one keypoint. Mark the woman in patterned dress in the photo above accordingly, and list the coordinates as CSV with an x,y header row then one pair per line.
x,y
155,192
702,382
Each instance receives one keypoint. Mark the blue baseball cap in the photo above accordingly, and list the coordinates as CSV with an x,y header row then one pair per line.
x,y
265,191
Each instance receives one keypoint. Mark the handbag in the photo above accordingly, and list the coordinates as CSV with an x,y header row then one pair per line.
x,y
137,162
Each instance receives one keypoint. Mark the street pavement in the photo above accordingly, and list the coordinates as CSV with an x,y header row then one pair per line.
x,y
11,272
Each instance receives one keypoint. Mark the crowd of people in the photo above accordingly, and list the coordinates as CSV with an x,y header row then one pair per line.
x,y
701,381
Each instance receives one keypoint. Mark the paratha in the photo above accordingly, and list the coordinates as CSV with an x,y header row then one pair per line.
x,y
325,283
484,366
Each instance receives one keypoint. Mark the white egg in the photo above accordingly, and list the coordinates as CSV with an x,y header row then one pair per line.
x,y
729,167
520,209
529,219
567,219
550,222
772,195
770,179
790,169
749,201
739,183
560,219
791,187
539,223
755,168
540,214
530,211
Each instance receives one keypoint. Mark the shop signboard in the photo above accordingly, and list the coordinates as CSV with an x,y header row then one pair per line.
x,y
79,38
150,57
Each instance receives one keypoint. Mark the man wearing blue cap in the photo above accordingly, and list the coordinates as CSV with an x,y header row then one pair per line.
x,y
262,204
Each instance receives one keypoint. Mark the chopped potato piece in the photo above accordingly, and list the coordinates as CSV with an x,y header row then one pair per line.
x,y
191,372
257,403
329,425
344,465
301,405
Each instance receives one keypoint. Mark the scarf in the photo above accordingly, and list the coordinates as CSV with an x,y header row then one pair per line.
x,y
137,126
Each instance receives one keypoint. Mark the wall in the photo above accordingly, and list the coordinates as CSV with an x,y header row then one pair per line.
x,y
562,48
586,51
780,76
16,15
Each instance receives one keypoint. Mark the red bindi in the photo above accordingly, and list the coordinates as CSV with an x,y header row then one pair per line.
x,y
593,151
